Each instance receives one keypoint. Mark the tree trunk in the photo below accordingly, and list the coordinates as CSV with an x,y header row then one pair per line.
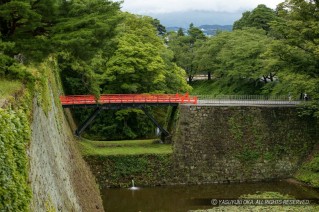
x,y
190,78
265,79
209,77
271,77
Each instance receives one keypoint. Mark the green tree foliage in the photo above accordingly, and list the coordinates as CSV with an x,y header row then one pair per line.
x,y
206,56
185,47
195,33
236,57
5,60
259,18
285,57
240,57
296,52
140,64
17,17
137,66
83,36
161,30
28,24
180,32
9,67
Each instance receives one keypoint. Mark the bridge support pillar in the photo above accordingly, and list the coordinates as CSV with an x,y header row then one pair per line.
x,y
171,118
164,132
86,123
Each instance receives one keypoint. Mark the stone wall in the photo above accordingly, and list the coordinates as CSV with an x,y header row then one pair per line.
x,y
216,144
59,177
120,170
219,144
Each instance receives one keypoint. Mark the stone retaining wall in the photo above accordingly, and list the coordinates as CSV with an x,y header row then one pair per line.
x,y
224,144
219,144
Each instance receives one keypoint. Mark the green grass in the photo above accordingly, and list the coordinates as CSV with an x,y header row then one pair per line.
x,y
127,147
8,88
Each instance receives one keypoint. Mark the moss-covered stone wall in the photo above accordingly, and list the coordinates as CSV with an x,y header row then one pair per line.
x,y
234,144
120,170
40,167
60,179
219,144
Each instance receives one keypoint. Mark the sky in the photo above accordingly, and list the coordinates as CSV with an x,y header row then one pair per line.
x,y
182,12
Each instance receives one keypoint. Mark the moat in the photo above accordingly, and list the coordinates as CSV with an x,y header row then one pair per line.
x,y
181,197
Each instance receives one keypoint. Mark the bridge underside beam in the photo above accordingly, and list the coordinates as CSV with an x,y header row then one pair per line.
x,y
93,115
86,123
164,132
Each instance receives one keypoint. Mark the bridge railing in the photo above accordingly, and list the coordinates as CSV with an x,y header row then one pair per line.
x,y
128,98
246,99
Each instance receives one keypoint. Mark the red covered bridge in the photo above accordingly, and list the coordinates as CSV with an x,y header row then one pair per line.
x,y
118,101
89,100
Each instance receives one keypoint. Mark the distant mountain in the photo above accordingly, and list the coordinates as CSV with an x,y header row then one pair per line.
x,y
197,17
212,29
174,29
208,30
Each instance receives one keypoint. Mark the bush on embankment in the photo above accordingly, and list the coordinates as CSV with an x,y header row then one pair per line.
x,y
309,172
15,193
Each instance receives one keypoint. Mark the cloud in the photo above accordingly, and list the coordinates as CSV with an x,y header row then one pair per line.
x,y
168,6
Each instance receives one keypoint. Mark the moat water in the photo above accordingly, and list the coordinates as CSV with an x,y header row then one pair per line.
x,y
191,197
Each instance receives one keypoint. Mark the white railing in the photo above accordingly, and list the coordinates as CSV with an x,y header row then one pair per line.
x,y
247,99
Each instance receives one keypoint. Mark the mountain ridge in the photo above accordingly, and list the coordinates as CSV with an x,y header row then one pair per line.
x,y
208,29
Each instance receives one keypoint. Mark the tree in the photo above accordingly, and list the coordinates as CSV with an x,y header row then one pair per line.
x,y
184,48
180,32
241,55
296,51
161,30
259,18
28,24
5,61
244,21
136,67
195,33
17,17
207,54
84,39
236,60
140,64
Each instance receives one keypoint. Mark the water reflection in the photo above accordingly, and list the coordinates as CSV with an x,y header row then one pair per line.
x,y
178,198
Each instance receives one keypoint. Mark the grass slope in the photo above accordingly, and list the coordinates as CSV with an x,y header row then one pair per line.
x,y
8,88
126,147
